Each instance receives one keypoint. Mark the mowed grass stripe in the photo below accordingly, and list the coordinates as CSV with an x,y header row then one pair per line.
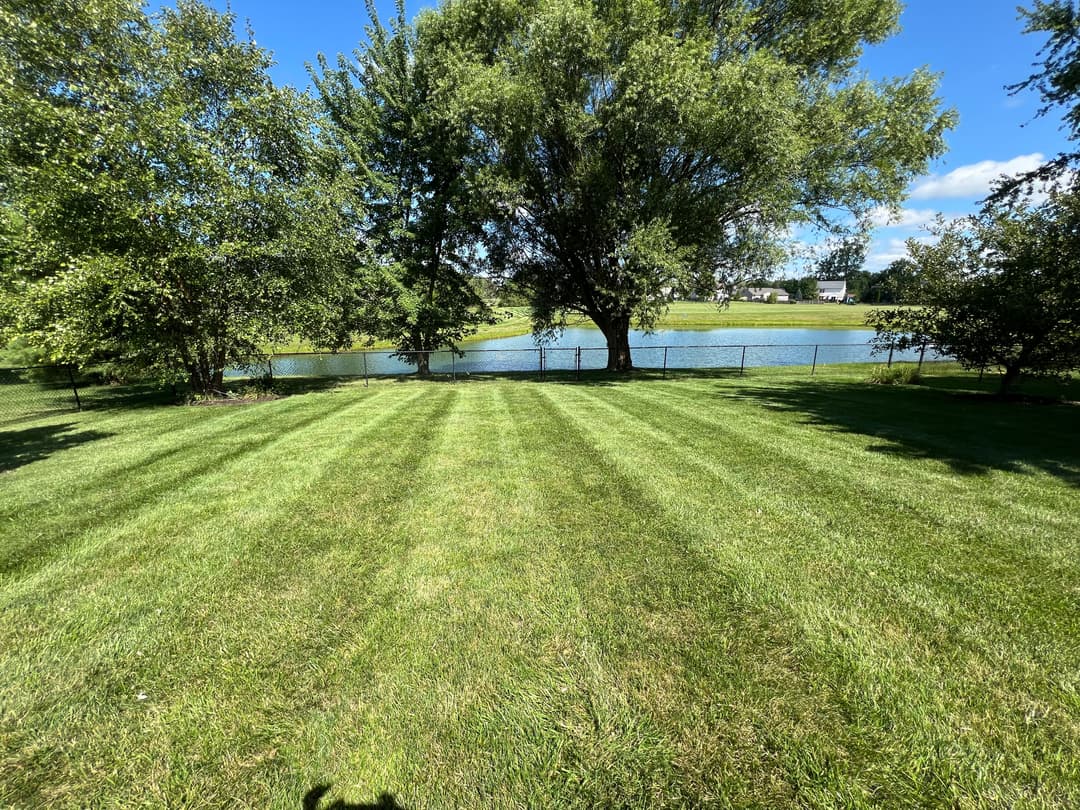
x,y
866,620
511,594
670,700
794,512
143,515
439,714
104,499
1035,497
180,629
974,560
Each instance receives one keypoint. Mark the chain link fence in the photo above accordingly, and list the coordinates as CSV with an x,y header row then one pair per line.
x,y
33,391
40,390
567,362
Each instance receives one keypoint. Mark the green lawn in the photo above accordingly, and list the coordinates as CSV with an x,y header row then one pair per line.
x,y
704,315
775,591
701,315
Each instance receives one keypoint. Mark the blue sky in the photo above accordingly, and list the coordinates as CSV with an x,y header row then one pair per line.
x,y
977,47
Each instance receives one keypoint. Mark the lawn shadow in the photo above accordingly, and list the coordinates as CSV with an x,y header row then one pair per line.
x,y
312,798
588,377
287,386
972,433
133,396
125,396
21,447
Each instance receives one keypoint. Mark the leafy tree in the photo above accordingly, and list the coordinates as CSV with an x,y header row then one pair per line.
x,y
171,222
896,284
1058,83
1000,289
800,289
843,261
646,144
413,175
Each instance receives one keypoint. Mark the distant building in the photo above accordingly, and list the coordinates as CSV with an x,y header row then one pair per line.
x,y
763,294
829,290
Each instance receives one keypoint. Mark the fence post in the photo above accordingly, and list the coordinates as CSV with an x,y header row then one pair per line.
x,y
922,354
74,388
270,367
890,355
364,355
813,368
453,366
742,363
577,363
665,362
541,351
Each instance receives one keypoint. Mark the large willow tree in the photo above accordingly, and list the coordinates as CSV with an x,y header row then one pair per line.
x,y
636,145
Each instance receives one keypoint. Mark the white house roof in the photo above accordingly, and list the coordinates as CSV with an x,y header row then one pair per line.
x,y
832,287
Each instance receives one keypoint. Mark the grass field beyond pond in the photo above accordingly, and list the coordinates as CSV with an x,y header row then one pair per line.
x,y
702,315
773,591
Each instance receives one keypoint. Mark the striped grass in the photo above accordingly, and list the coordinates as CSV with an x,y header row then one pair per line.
x,y
769,591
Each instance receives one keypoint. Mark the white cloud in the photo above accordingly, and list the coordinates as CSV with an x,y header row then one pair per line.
x,y
904,218
974,180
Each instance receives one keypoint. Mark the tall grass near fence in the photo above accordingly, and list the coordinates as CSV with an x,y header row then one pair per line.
x,y
773,591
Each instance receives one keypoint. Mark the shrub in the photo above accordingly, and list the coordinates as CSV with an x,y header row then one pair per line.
x,y
895,375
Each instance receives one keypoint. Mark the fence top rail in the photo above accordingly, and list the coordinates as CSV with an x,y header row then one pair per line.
x,y
392,352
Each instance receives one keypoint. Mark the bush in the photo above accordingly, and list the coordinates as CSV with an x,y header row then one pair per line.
x,y
895,375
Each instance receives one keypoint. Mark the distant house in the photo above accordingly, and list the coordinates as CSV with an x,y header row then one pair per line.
x,y
764,293
832,290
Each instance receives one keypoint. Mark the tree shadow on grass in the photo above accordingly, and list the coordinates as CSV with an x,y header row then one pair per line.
x,y
588,377
972,433
127,396
20,447
132,396
287,386
312,798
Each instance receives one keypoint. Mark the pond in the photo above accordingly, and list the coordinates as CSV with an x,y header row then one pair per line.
x,y
707,348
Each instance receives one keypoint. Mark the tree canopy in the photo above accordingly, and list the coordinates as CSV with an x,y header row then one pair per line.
x,y
168,216
642,145
411,170
999,289
1057,81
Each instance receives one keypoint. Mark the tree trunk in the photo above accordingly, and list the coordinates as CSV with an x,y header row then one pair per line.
x,y
1011,375
616,331
204,379
423,364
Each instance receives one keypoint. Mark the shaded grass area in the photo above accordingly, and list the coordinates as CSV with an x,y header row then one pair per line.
x,y
705,591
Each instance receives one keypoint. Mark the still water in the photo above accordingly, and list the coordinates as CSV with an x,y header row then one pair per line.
x,y
707,348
